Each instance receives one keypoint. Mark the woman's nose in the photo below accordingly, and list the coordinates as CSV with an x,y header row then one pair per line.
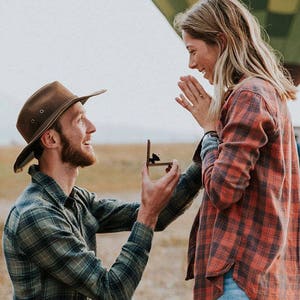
x,y
192,64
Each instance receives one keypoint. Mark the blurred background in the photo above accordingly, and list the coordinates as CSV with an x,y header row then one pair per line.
x,y
127,47
130,48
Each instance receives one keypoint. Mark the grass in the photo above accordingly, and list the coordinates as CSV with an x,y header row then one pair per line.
x,y
118,167
118,172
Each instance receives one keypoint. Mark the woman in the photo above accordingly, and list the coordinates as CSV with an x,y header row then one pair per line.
x,y
244,242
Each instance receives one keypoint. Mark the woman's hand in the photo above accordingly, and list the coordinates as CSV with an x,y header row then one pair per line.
x,y
196,101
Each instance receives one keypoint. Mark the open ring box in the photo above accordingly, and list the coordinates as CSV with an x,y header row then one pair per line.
x,y
154,160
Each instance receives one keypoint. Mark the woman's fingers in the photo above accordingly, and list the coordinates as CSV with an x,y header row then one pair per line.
x,y
194,99
194,92
188,91
184,102
198,86
194,87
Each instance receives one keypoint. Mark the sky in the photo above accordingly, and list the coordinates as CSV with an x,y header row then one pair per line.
x,y
124,46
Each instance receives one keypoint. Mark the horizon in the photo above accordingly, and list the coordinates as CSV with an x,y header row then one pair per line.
x,y
90,45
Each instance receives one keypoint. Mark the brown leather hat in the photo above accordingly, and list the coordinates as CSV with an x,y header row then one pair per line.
x,y
40,112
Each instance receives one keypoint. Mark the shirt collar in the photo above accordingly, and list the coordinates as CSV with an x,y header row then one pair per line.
x,y
231,89
48,184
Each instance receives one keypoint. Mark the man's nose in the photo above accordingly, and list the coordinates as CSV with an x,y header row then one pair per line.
x,y
90,127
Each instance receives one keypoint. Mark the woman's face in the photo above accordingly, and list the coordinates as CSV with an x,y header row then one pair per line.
x,y
203,56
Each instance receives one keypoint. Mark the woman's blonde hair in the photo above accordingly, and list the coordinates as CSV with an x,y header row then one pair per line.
x,y
245,53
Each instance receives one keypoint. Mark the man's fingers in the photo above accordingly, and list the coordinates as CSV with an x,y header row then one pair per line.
x,y
168,180
172,184
145,173
172,175
168,168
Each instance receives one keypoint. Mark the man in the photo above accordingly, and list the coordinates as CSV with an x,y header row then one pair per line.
x,y
49,237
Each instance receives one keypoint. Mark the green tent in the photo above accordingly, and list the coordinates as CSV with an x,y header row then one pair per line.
x,y
280,19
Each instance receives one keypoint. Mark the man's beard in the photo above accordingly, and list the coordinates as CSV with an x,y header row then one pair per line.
x,y
76,158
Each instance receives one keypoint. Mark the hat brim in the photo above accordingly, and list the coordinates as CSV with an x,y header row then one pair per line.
x,y
27,154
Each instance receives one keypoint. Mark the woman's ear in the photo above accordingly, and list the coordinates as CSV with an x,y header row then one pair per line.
x,y
222,41
49,139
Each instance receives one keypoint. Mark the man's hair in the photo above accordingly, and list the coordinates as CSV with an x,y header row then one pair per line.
x,y
38,149
245,53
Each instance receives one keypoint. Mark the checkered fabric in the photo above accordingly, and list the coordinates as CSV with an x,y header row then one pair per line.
x,y
49,240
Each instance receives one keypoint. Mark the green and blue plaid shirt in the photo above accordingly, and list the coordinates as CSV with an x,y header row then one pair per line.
x,y
49,240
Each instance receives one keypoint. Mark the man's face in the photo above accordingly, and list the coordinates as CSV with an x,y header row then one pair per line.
x,y
76,137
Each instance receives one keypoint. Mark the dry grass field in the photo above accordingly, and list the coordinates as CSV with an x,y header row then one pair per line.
x,y
117,175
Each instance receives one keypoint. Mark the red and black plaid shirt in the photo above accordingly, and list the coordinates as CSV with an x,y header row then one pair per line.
x,y
250,213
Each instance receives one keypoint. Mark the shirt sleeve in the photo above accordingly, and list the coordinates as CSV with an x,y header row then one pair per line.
x,y
226,169
186,190
114,215
46,238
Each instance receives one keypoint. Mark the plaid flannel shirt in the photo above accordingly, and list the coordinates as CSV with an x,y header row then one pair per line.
x,y
250,213
49,240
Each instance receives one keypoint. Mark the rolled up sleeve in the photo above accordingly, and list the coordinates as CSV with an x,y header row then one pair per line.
x,y
227,168
46,238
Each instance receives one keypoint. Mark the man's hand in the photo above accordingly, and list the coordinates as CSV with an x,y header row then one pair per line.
x,y
156,194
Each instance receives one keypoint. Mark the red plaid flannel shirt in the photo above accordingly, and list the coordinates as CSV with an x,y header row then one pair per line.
x,y
250,213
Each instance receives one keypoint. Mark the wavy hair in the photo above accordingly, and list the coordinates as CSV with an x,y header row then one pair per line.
x,y
246,53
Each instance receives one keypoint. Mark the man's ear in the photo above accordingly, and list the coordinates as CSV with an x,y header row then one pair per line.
x,y
49,139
